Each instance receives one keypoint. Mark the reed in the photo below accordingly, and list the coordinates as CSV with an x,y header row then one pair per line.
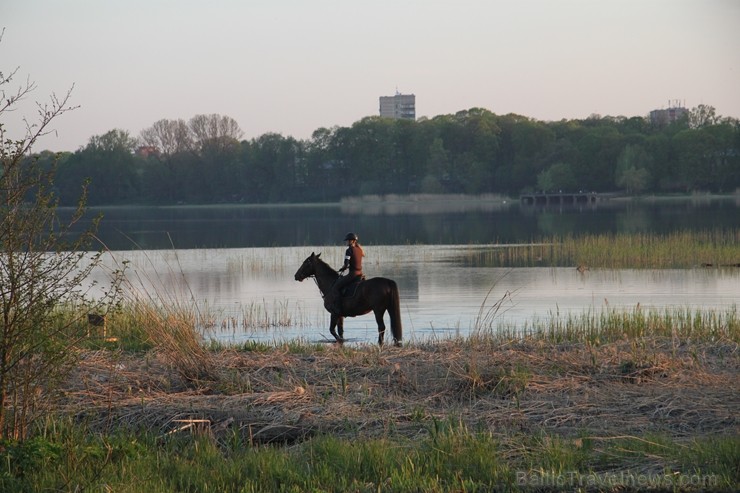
x,y
681,249
611,325
168,319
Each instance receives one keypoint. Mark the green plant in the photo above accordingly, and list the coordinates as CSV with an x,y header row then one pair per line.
x,y
44,267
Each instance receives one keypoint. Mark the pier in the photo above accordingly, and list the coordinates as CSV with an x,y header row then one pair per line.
x,y
560,198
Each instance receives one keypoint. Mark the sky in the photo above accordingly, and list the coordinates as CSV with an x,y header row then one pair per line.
x,y
294,66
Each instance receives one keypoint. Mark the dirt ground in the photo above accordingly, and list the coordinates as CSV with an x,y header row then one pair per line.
x,y
619,389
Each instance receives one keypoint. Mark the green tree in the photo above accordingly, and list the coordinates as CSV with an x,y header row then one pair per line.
x,y
272,171
109,163
696,159
43,268
163,178
317,177
437,165
703,116
633,166
529,147
557,178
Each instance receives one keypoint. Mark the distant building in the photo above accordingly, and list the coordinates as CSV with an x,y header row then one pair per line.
x,y
664,117
398,106
146,151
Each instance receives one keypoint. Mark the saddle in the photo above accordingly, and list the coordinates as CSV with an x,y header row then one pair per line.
x,y
350,289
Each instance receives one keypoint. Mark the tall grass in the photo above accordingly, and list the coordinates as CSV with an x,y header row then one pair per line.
x,y
612,324
169,320
681,249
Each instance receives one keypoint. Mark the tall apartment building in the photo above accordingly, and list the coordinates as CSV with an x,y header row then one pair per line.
x,y
398,106
665,116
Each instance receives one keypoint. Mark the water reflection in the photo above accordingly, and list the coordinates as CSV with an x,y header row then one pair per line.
x,y
439,297
455,222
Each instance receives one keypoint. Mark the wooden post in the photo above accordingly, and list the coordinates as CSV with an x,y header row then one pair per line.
x,y
96,320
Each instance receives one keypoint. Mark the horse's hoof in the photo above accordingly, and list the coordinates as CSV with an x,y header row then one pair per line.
x,y
397,343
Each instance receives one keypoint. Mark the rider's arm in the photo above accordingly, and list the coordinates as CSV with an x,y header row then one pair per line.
x,y
346,261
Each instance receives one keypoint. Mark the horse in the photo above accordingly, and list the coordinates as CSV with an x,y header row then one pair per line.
x,y
377,294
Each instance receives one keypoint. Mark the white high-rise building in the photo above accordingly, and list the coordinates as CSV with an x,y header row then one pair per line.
x,y
398,106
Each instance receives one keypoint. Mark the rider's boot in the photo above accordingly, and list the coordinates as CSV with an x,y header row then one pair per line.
x,y
333,303
336,307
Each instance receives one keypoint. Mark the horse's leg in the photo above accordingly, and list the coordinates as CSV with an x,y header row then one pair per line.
x,y
332,325
338,322
394,311
381,325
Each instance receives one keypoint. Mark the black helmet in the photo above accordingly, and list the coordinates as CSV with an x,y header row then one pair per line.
x,y
350,236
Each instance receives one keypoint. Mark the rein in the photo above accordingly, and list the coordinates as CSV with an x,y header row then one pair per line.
x,y
321,265
317,285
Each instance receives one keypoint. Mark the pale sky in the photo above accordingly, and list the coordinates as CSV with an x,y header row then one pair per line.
x,y
293,66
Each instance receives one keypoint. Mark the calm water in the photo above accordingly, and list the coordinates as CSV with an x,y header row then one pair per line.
x,y
444,223
235,265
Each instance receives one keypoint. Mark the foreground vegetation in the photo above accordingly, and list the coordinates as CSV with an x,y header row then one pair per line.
x,y
639,400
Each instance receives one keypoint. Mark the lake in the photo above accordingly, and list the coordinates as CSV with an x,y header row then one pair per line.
x,y
234,265
443,222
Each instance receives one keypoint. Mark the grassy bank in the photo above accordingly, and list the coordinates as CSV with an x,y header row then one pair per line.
x,y
450,458
638,400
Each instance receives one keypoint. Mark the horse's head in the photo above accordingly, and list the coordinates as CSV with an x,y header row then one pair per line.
x,y
307,268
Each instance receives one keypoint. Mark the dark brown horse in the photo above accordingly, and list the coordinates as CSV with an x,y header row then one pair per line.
x,y
377,294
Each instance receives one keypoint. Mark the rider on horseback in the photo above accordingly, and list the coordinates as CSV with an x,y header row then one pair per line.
x,y
353,262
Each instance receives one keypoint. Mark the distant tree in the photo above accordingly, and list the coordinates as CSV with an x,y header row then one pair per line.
x,y
725,155
471,151
113,141
598,146
316,174
530,146
214,130
703,116
633,166
169,137
696,159
437,165
556,178
273,173
109,164
165,174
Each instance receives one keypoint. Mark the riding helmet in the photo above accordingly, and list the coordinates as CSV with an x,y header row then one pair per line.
x,y
350,236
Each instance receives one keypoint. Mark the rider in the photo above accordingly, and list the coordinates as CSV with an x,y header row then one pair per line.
x,y
353,262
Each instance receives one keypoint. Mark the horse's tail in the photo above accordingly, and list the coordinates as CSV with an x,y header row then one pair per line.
x,y
394,310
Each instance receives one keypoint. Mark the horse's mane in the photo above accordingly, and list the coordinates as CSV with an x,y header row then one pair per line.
x,y
324,268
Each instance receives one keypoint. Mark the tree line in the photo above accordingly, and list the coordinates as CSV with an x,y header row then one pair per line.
x,y
205,160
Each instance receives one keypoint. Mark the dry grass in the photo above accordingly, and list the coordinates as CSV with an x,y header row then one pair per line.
x,y
281,393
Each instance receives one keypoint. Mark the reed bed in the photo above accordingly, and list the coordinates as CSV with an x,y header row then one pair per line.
x,y
682,249
677,324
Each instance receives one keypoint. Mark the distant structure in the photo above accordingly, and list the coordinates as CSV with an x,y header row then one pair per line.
x,y
146,151
398,106
674,112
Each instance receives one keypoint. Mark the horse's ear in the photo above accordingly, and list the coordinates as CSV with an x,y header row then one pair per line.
x,y
319,255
